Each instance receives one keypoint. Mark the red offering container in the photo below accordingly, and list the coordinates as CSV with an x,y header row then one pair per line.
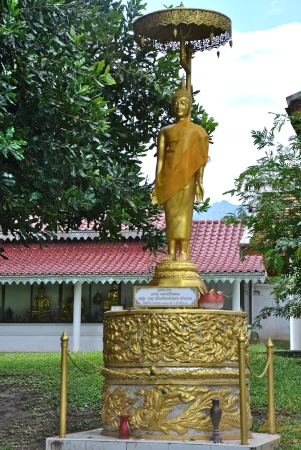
x,y
211,300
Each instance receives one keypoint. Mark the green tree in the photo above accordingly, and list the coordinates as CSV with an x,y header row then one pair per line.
x,y
79,107
271,191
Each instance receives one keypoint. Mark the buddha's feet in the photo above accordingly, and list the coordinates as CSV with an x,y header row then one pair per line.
x,y
170,257
182,257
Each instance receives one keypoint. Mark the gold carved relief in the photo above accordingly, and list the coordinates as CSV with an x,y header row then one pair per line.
x,y
169,409
172,337
115,403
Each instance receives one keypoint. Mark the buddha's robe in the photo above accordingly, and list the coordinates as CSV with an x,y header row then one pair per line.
x,y
186,152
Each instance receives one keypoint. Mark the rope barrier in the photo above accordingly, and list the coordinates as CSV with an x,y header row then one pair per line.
x,y
256,359
264,371
99,368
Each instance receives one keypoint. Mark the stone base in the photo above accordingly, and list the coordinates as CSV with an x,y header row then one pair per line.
x,y
93,440
177,274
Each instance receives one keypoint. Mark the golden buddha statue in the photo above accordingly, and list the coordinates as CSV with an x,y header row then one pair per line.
x,y
41,308
181,158
113,297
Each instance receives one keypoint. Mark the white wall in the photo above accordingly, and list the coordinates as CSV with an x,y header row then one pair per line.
x,y
46,337
273,327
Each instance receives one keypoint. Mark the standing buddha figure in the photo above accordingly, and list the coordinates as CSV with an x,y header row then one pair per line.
x,y
181,158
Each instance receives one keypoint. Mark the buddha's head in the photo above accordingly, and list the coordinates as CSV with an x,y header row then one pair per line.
x,y
41,291
181,101
114,286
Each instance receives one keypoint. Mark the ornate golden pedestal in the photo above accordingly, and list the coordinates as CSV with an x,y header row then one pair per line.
x,y
163,367
177,273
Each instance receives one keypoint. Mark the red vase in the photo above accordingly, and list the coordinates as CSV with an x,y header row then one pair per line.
x,y
124,428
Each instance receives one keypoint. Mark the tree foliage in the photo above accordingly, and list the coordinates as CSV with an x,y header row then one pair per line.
x,y
271,190
78,109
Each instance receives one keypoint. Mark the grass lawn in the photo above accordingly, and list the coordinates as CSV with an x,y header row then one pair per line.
x,y
30,389
30,398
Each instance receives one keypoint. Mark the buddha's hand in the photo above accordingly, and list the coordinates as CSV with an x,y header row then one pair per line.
x,y
154,197
199,193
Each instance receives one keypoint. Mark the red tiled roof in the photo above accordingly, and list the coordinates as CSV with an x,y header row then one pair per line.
x,y
215,249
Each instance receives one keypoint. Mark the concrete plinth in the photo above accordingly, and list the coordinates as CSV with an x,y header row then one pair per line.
x,y
93,440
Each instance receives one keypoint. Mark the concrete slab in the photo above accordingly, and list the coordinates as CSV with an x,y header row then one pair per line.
x,y
94,440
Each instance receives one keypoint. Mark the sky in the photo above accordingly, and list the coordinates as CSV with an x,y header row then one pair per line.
x,y
245,85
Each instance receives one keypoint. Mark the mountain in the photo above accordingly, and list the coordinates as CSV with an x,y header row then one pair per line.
x,y
217,211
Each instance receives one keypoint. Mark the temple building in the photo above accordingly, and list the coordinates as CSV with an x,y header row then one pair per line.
x,y
69,283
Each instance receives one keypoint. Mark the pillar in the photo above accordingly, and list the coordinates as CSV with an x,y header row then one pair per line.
x,y
295,334
77,315
236,295
2,318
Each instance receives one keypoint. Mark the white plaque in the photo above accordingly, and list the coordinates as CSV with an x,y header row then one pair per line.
x,y
165,297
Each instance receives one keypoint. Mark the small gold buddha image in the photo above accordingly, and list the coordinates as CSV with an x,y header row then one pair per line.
x,y
41,308
113,297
